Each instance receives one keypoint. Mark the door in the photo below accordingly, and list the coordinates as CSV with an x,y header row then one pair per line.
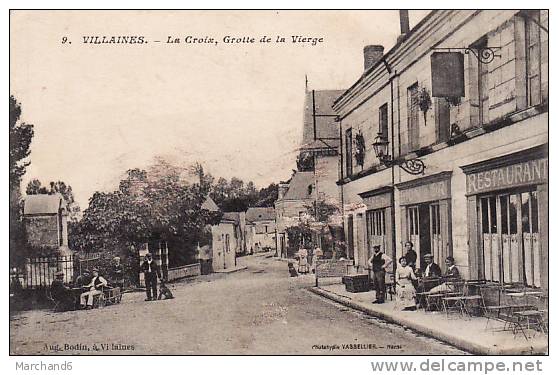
x,y
436,240
414,232
350,237
510,238
376,230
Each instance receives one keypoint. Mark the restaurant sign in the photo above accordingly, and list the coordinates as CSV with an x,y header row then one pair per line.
x,y
521,174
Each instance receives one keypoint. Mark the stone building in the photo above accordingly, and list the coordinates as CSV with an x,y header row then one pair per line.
x,y
260,229
46,222
317,169
466,91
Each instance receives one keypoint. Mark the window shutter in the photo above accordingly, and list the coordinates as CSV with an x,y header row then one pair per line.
x,y
448,75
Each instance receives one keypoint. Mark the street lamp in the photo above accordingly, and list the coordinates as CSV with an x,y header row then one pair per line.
x,y
412,166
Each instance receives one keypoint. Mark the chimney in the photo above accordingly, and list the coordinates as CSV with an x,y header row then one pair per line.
x,y
372,54
282,190
404,23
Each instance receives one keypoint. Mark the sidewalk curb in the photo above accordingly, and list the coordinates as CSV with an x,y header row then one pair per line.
x,y
231,270
458,342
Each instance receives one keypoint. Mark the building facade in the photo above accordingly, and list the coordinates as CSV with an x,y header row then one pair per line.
x,y
260,229
314,182
46,222
466,92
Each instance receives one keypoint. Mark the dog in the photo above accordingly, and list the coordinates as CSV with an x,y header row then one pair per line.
x,y
164,291
292,270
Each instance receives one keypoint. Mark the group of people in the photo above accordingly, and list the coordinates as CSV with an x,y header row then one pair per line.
x,y
89,286
406,277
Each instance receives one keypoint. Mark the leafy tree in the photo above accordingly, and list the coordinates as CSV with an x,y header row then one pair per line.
x,y
267,196
21,135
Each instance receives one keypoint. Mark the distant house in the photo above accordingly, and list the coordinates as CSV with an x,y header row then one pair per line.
x,y
292,206
228,240
46,222
260,229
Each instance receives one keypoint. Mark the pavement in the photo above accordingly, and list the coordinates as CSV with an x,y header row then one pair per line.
x,y
260,310
468,334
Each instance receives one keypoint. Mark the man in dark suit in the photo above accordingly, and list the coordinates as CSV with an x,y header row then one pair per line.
x,y
151,272
431,269
61,293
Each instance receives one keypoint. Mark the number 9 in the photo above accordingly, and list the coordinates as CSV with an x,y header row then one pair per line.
x,y
64,39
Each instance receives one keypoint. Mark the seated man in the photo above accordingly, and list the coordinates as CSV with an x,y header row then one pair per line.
x,y
95,289
61,293
451,275
83,279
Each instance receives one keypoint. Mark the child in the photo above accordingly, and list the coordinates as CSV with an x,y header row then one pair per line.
x,y
164,291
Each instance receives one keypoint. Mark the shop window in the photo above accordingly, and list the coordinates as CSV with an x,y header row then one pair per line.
x,y
510,250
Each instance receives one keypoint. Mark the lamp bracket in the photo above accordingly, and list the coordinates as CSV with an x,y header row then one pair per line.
x,y
412,166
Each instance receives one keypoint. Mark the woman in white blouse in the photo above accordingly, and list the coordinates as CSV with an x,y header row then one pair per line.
x,y
405,290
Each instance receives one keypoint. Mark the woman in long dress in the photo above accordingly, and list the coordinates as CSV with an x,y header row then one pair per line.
x,y
404,276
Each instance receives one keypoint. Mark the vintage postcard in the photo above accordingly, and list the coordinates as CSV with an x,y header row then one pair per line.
x,y
276,182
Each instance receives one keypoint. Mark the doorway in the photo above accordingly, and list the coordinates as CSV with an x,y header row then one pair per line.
x,y
425,231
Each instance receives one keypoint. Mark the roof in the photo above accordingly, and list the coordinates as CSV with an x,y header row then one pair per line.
x,y
210,205
326,127
260,213
393,49
43,204
231,217
298,188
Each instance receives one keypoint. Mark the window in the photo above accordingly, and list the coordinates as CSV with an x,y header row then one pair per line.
x,y
442,118
376,223
510,250
532,55
349,152
413,118
383,121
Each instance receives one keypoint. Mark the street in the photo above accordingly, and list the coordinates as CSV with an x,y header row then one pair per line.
x,y
259,310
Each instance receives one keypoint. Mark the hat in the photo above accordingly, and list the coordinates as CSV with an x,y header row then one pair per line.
x,y
116,258
86,270
428,255
376,246
95,269
59,273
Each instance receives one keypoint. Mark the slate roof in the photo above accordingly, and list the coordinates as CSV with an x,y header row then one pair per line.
x,y
326,127
298,187
45,204
254,214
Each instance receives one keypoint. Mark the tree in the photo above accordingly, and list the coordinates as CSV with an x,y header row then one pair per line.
x,y
147,208
267,196
21,135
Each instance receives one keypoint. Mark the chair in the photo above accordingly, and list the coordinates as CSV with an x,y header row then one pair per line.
x,y
55,302
461,302
500,311
527,315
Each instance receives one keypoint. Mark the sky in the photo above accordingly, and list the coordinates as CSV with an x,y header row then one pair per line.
x,y
101,109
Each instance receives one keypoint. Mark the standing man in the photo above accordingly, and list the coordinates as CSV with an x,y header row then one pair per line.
x,y
379,262
118,274
151,273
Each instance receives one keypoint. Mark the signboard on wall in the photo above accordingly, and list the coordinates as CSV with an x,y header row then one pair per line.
x,y
426,189
448,75
527,173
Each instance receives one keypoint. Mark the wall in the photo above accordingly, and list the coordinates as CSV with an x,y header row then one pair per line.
x,y
42,230
223,259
